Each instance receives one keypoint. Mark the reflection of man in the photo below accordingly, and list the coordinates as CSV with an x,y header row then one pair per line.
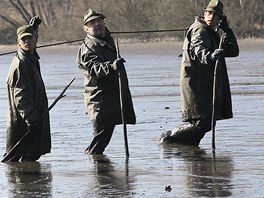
x,y
205,175
200,53
29,179
111,178
97,60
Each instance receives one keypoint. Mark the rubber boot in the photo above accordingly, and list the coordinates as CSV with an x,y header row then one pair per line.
x,y
187,134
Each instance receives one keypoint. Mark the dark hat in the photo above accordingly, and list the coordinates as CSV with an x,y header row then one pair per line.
x,y
25,30
91,15
215,6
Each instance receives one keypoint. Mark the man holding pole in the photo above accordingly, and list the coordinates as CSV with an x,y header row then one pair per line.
x,y
97,60
201,55
27,101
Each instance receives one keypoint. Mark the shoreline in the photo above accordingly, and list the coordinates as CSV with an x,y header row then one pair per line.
x,y
148,47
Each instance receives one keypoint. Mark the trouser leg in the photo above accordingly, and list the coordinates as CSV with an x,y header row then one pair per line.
x,y
102,137
189,133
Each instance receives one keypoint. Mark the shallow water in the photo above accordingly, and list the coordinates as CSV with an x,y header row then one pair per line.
x,y
234,170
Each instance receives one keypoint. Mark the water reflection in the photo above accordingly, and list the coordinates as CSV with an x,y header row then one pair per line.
x,y
207,175
29,179
112,180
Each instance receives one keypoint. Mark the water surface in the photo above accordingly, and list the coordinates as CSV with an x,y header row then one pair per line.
x,y
236,169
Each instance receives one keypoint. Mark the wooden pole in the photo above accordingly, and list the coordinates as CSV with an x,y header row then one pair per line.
x,y
121,103
213,123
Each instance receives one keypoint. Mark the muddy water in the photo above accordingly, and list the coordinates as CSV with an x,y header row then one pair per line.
x,y
234,170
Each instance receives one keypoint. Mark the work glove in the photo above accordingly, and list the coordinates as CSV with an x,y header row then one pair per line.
x,y
118,64
224,24
216,54
35,22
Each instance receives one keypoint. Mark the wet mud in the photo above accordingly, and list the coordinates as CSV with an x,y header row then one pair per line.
x,y
235,169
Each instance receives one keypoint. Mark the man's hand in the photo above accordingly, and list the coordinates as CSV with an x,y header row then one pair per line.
x,y
224,24
216,54
35,22
118,64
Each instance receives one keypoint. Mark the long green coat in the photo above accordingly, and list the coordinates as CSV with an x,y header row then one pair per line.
x,y
27,102
197,73
101,90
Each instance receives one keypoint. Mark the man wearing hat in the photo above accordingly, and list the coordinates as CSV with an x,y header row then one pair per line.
x,y
200,55
27,100
97,60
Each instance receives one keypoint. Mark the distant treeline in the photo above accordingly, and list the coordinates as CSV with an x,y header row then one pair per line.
x,y
62,19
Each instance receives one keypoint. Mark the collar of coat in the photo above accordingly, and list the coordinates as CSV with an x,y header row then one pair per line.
x,y
21,53
107,41
202,21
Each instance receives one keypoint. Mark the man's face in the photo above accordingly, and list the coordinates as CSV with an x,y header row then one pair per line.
x,y
95,28
211,18
27,43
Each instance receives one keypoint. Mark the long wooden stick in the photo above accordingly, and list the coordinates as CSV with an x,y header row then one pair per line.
x,y
122,32
213,122
121,102
13,150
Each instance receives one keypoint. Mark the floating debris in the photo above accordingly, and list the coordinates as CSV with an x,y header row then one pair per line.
x,y
168,188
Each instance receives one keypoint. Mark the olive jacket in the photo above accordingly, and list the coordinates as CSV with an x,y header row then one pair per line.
x,y
197,73
27,103
101,83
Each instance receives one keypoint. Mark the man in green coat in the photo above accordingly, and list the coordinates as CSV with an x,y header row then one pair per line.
x,y
200,53
27,101
97,60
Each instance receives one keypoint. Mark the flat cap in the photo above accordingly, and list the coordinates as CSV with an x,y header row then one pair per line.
x,y
215,6
91,15
25,30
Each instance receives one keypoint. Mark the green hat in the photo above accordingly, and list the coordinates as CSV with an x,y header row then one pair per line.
x,y
91,15
25,30
215,6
